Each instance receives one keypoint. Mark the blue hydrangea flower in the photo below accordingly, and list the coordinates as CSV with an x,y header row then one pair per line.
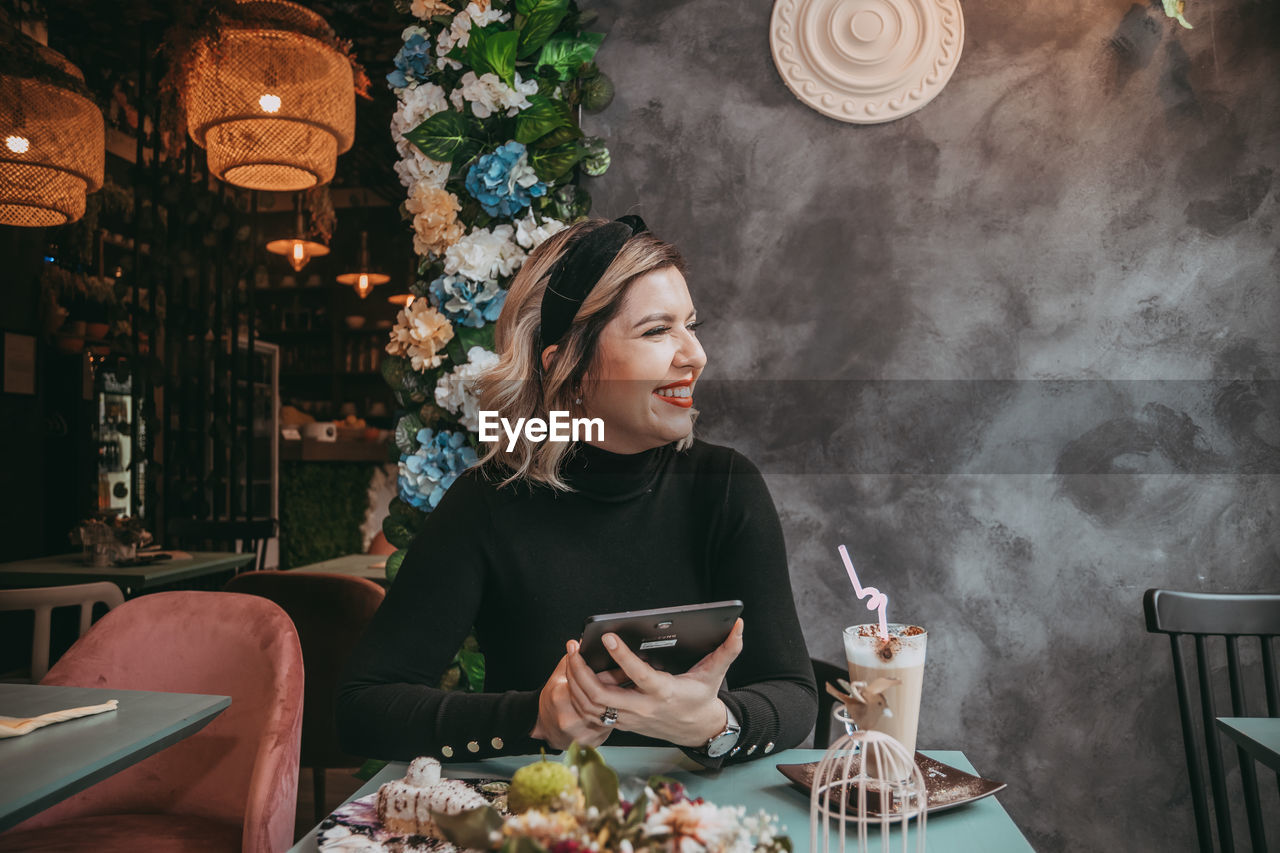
x,y
503,182
413,62
428,473
465,302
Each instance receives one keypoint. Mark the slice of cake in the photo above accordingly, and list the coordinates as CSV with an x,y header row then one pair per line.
x,y
405,805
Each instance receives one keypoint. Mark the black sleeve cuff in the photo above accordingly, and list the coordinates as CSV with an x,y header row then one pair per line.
x,y
472,726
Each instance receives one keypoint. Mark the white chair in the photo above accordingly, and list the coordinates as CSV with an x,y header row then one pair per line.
x,y
43,599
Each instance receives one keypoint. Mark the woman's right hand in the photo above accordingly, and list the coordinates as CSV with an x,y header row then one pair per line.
x,y
560,722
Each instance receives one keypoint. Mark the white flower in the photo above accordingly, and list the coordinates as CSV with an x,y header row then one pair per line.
x,y
416,106
690,826
484,254
459,31
416,168
487,94
456,391
531,234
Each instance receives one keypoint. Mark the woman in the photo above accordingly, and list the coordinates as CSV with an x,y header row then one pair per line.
x,y
535,539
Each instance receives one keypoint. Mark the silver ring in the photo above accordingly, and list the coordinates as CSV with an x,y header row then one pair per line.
x,y
609,717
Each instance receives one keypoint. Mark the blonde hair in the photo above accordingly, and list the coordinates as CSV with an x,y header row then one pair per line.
x,y
518,387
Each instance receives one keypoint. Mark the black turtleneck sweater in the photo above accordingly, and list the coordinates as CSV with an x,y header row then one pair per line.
x,y
526,565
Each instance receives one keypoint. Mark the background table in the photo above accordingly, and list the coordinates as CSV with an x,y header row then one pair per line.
x,y
54,762
368,566
982,827
1258,736
65,569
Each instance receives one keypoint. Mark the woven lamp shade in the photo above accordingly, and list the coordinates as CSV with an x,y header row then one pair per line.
x,y
272,105
52,148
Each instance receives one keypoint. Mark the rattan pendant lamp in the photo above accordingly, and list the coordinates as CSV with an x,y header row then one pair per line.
x,y
52,138
271,99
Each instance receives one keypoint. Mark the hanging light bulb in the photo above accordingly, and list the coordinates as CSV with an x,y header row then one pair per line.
x,y
364,280
404,300
298,250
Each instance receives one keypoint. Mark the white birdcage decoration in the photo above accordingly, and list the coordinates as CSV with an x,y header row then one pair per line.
x,y
867,778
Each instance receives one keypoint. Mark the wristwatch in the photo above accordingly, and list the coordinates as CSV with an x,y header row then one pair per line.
x,y
727,739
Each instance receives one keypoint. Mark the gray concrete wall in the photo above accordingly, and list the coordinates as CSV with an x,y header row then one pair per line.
x,y
1018,351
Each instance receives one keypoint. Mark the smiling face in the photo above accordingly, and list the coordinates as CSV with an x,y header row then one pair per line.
x,y
647,361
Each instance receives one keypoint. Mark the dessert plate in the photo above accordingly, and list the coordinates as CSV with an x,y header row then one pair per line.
x,y
354,826
947,786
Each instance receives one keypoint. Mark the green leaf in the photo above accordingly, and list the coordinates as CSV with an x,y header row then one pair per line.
x,y
402,523
525,844
539,25
481,337
559,136
393,564
369,769
551,163
528,7
638,809
599,783
456,352
493,48
472,829
566,53
538,119
407,433
446,137
471,662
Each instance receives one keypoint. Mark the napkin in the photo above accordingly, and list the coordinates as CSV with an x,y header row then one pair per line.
x,y
14,726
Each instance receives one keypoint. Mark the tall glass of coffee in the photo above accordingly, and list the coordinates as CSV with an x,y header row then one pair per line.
x,y
901,656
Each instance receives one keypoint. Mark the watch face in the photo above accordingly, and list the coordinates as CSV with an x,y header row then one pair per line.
x,y
721,744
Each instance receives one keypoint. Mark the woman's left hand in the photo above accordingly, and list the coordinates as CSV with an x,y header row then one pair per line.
x,y
680,709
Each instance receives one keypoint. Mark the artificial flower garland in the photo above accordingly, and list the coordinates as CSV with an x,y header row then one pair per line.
x,y
487,130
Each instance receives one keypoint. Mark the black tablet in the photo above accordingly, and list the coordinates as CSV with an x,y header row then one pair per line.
x,y
671,639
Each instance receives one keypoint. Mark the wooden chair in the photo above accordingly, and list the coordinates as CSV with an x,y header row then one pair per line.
x,y
825,673
243,536
43,599
330,612
1200,616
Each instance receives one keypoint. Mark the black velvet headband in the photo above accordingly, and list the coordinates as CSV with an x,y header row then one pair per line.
x,y
578,271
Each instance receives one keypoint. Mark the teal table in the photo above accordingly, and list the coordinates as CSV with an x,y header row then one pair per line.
x,y
1258,736
63,569
982,827
368,566
54,762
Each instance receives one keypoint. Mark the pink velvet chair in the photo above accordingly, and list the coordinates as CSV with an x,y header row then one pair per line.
x,y
231,786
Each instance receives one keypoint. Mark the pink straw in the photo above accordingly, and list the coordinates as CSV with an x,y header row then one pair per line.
x,y
876,600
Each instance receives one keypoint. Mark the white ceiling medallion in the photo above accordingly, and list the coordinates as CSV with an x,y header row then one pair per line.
x,y
866,61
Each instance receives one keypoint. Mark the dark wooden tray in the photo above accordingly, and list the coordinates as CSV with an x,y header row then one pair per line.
x,y
946,786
